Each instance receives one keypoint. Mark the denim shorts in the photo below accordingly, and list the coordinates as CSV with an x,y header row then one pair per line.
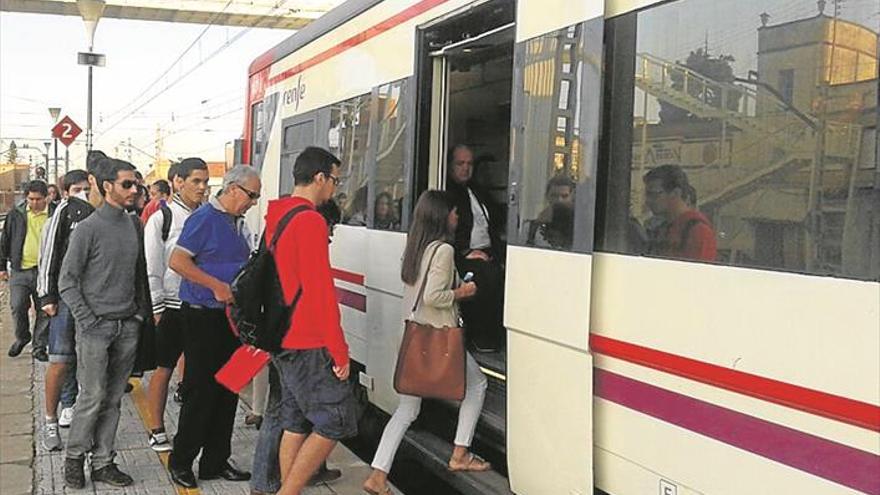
x,y
312,398
62,336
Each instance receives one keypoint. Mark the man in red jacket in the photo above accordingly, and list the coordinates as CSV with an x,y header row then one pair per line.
x,y
686,233
317,402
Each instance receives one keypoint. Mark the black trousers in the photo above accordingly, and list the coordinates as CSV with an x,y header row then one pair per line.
x,y
208,411
484,314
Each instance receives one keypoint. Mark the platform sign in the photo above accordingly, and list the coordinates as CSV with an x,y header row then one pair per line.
x,y
66,131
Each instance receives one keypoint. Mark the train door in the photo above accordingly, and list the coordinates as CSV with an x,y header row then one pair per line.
x,y
555,124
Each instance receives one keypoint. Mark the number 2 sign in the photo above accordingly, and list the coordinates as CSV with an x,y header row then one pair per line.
x,y
66,130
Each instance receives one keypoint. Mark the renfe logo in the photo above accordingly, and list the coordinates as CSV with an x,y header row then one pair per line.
x,y
668,488
295,95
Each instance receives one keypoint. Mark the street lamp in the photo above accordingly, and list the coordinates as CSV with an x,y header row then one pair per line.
x,y
90,11
55,112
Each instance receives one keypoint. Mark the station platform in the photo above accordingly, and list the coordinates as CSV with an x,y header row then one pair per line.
x,y
27,468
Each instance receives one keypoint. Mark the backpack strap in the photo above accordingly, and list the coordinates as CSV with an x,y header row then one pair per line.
x,y
282,224
686,232
167,217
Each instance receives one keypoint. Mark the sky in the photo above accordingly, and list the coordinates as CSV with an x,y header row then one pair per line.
x,y
198,104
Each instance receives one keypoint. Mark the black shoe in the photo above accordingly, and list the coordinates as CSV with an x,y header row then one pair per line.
x,y
324,475
227,472
17,347
128,387
41,355
183,477
111,475
74,476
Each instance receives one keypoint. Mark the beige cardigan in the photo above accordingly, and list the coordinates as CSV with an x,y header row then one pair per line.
x,y
438,306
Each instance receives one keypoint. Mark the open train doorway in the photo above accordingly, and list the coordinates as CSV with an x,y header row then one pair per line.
x,y
465,78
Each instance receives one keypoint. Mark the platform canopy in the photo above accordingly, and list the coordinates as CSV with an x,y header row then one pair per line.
x,y
290,14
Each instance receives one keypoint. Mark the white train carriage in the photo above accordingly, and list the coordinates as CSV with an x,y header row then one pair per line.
x,y
753,367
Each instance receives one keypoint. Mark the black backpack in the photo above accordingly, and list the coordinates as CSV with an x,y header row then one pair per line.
x,y
260,313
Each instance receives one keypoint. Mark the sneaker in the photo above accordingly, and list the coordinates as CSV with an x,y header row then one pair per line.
x,y
111,475
66,417
51,438
40,354
159,442
74,476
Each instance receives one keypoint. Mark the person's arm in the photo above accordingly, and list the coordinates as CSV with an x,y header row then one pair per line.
x,y
319,293
141,284
438,289
70,281
154,251
51,255
5,243
183,263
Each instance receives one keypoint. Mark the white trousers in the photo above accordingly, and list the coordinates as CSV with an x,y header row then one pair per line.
x,y
408,410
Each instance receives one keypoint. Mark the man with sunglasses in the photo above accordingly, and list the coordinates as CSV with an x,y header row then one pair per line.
x,y
103,281
212,247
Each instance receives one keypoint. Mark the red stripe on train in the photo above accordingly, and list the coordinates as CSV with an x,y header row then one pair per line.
x,y
351,277
823,404
371,32
351,299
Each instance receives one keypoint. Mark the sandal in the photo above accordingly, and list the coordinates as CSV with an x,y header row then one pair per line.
x,y
471,463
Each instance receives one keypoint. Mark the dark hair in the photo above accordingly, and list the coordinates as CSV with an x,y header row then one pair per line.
x,y
331,213
312,161
52,186
173,171
162,186
92,159
38,187
142,191
187,165
108,170
671,177
74,177
559,180
430,223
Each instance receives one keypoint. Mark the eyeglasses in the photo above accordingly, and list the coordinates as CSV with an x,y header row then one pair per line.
x,y
253,196
336,180
127,184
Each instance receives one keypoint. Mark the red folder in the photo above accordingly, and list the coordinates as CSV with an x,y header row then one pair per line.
x,y
242,367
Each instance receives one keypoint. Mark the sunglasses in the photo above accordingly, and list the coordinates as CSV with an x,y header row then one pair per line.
x,y
253,196
127,184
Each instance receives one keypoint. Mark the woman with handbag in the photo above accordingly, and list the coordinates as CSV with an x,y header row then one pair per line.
x,y
432,292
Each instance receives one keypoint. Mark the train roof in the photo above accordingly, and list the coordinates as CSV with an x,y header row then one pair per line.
x,y
317,28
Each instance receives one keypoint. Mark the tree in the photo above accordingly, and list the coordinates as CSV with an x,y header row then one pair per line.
x,y
716,68
13,152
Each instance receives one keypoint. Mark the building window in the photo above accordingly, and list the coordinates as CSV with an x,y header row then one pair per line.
x,y
711,153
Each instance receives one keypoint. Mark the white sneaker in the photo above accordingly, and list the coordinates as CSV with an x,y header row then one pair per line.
x,y
51,438
159,442
66,417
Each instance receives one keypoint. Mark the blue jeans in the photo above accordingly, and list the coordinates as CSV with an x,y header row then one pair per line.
x,y
266,470
62,349
105,356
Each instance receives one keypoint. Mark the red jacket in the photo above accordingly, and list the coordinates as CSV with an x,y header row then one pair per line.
x,y
303,260
152,207
691,236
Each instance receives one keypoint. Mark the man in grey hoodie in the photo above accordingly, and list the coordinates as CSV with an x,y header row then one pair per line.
x,y
103,281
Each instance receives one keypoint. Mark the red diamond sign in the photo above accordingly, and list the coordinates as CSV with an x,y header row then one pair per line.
x,y
66,131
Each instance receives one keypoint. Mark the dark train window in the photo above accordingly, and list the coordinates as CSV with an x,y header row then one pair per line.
x,y
391,130
744,134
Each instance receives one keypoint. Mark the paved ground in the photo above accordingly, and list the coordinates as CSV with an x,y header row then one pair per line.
x,y
27,468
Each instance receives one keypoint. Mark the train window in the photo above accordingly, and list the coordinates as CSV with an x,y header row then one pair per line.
x,y
348,139
258,137
737,135
553,139
392,133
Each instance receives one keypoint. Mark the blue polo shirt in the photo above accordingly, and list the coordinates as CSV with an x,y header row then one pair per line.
x,y
219,245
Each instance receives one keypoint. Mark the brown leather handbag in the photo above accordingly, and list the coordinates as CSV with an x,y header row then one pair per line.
x,y
431,361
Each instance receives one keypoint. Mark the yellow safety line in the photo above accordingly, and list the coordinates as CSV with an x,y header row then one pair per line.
x,y
140,403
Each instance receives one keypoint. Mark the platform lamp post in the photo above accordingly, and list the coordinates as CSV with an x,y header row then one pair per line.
x,y
90,11
55,112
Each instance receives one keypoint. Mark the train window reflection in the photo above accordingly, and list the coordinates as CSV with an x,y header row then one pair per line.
x,y
390,157
348,139
748,125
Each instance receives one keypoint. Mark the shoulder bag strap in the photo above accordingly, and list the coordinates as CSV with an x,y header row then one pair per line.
x,y
425,279
283,224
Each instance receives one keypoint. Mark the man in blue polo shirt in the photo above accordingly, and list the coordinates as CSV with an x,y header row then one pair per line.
x,y
212,247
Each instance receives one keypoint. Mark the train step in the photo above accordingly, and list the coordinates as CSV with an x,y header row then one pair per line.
x,y
434,452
